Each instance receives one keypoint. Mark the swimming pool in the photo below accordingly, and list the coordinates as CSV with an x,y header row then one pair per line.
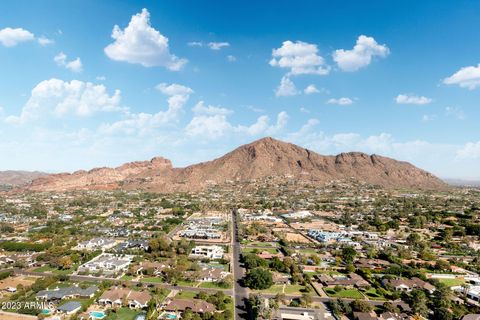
x,y
45,311
97,314
170,316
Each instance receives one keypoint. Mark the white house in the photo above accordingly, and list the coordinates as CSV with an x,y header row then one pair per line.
x,y
210,252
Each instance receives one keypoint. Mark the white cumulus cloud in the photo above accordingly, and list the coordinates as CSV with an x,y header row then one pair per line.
x,y
208,126
299,58
213,126
361,55
10,37
412,99
470,150
201,108
141,44
218,45
142,123
466,77
341,101
44,41
286,88
311,89
72,65
60,98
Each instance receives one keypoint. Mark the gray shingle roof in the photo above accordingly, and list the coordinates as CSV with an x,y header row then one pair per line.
x,y
70,306
65,292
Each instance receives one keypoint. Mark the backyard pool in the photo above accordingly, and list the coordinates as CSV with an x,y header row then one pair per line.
x,y
97,314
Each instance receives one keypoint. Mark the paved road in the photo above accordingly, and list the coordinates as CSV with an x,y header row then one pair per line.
x,y
132,282
240,293
327,299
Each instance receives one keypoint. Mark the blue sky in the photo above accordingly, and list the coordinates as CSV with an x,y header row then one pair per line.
x,y
191,80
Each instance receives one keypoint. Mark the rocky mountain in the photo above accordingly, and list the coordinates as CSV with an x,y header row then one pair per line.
x,y
18,178
263,158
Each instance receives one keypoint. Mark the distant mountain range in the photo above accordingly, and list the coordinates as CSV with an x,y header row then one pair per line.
x,y
13,178
260,159
463,183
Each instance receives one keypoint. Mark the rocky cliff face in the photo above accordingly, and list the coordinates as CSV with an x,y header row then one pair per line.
x,y
263,158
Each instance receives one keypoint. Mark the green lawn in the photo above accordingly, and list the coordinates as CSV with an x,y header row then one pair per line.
x,y
295,289
126,277
211,285
186,283
260,244
452,282
344,293
269,250
186,295
306,251
152,279
163,294
123,314
374,294
276,288
47,268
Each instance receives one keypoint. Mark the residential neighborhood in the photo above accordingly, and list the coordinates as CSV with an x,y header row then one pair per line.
x,y
359,252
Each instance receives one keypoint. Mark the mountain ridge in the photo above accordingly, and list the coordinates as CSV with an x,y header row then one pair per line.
x,y
15,178
262,158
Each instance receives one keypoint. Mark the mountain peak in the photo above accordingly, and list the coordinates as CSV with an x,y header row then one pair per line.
x,y
263,158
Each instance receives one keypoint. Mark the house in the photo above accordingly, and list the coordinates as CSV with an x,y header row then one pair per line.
x,y
325,236
280,278
107,263
471,316
138,299
196,305
212,274
210,252
27,259
394,316
5,260
408,285
198,233
298,215
296,316
365,316
117,296
261,217
113,297
374,264
473,294
67,293
306,268
203,228
132,244
149,267
70,307
96,244
353,280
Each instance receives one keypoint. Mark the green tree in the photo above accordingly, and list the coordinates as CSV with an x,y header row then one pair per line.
x,y
419,302
348,254
259,278
360,306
